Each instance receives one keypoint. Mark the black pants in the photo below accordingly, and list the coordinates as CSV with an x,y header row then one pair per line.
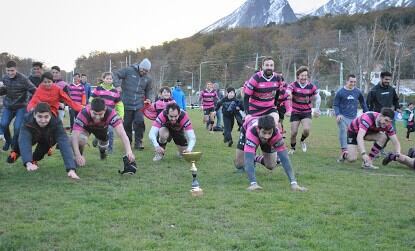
x,y
228,122
72,116
134,119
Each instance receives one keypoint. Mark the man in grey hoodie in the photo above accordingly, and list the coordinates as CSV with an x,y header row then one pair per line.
x,y
136,88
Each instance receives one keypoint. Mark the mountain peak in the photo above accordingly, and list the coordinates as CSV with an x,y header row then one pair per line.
x,y
350,7
256,13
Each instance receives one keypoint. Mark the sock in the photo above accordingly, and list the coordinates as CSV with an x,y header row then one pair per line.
x,y
303,137
376,148
260,159
293,145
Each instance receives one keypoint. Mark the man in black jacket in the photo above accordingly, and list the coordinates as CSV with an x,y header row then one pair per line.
x,y
383,95
16,87
37,72
44,130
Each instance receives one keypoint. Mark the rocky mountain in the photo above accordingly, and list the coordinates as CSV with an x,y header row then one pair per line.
x,y
256,13
350,7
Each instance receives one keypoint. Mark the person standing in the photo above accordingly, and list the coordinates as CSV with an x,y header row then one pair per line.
x,y
77,94
179,96
57,79
408,119
345,106
136,88
383,94
208,98
37,72
16,87
87,87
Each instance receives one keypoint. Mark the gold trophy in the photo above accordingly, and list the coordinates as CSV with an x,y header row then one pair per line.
x,y
192,157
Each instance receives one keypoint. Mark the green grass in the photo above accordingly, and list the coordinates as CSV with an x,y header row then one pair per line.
x,y
346,207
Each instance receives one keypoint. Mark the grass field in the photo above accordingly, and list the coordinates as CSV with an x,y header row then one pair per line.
x,y
346,208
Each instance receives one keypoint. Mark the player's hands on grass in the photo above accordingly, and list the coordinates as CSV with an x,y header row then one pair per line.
x,y
367,159
72,174
31,167
80,160
160,150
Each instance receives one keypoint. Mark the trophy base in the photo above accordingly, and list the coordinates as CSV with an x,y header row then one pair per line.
x,y
196,192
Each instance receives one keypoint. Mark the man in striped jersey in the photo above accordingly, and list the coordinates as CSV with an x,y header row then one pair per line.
x,y
371,126
175,124
77,94
95,119
262,132
208,98
261,91
301,93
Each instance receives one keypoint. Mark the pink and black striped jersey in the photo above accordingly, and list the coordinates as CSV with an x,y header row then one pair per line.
x,y
367,122
84,121
208,99
263,92
182,123
301,101
252,141
283,97
111,97
77,93
161,104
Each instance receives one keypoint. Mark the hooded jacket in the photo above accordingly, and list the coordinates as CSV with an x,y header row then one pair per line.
x,y
135,88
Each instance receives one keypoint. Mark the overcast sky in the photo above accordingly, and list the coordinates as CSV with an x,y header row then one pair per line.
x,y
57,32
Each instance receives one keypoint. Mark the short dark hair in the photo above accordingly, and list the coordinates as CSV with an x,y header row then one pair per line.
x,y
266,59
164,88
98,104
11,64
385,74
83,75
301,70
56,68
266,122
172,106
76,74
230,89
351,76
388,112
46,75
42,107
37,64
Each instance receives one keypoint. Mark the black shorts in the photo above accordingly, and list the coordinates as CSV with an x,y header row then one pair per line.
x,y
99,133
208,111
178,137
241,143
352,137
300,116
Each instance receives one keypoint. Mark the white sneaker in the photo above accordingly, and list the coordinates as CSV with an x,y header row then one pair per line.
x,y
291,151
303,146
254,187
296,188
158,157
2,138
369,166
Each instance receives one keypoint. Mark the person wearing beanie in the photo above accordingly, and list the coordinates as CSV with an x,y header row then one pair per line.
x,y
136,88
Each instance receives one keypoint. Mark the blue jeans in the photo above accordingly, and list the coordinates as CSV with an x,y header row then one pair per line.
x,y
219,118
342,125
6,119
111,137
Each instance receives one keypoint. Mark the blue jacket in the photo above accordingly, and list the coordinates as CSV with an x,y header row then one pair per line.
x,y
346,102
179,97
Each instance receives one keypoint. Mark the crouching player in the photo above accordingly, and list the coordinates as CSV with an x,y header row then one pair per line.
x,y
95,119
44,130
370,126
262,132
175,124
